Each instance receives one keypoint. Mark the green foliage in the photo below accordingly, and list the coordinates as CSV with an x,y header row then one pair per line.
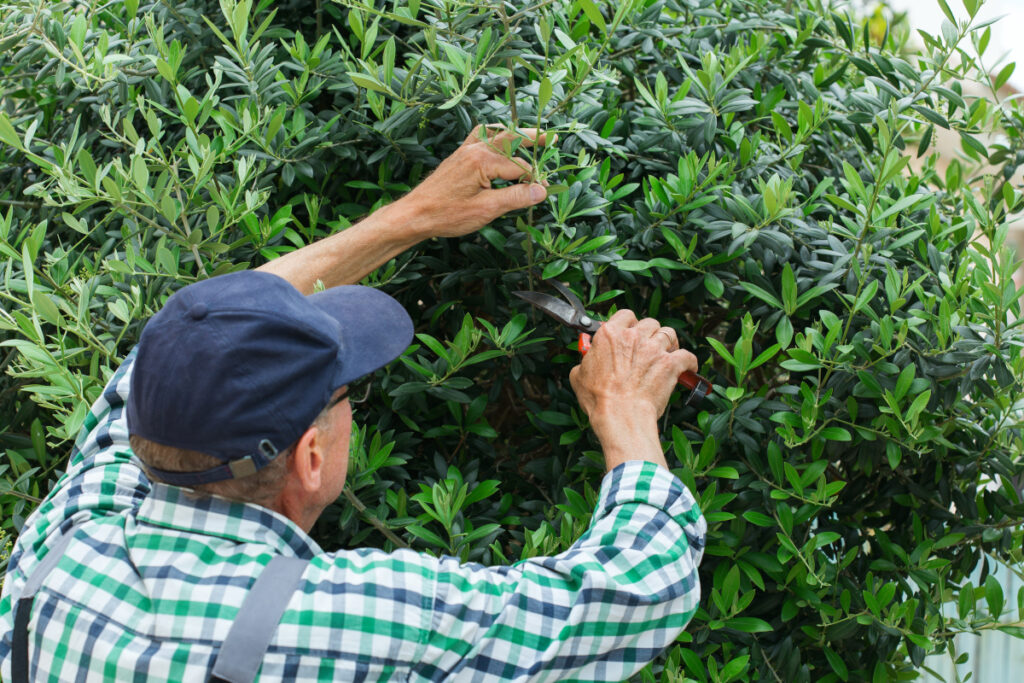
x,y
756,174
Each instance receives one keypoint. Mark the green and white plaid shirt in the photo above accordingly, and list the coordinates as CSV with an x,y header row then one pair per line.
x,y
152,580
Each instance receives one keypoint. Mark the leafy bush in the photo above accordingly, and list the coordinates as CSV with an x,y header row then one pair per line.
x,y
756,174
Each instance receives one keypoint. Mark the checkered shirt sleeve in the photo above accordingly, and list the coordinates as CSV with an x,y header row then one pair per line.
x,y
598,612
152,582
103,478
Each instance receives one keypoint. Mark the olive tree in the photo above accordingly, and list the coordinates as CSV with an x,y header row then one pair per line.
x,y
758,174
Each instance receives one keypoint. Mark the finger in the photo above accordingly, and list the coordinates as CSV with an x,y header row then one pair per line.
x,y
647,327
668,335
498,166
527,137
623,318
494,203
684,361
499,135
482,133
578,382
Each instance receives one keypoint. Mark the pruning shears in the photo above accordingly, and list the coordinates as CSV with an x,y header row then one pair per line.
x,y
569,311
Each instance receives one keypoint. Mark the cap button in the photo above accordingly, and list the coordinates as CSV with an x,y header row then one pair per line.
x,y
198,312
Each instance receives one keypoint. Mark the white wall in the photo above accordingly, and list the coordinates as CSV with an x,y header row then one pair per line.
x,y
995,657
1007,43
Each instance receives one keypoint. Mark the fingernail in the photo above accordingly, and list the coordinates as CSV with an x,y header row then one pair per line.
x,y
537,192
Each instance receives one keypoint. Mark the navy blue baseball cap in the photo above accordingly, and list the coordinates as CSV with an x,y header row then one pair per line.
x,y
239,366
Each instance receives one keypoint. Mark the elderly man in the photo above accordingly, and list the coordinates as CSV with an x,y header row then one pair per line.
x,y
175,548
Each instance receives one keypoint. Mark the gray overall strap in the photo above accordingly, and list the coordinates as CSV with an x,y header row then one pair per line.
x,y
23,610
242,653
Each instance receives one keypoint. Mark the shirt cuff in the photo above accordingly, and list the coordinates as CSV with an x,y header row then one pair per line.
x,y
639,481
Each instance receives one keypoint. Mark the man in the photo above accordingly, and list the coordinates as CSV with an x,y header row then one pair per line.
x,y
238,390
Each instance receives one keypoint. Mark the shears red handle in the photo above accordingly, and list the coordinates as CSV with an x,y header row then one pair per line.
x,y
570,312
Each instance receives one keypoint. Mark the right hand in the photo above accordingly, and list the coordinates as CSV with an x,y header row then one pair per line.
x,y
631,370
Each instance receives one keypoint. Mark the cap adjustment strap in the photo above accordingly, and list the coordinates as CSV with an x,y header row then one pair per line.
x,y
243,467
266,451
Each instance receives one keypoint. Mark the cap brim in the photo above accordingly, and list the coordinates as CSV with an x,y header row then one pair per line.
x,y
375,328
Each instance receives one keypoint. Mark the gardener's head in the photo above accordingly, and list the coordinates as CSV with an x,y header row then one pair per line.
x,y
239,386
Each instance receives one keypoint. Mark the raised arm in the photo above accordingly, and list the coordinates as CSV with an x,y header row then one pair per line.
x,y
454,200
105,478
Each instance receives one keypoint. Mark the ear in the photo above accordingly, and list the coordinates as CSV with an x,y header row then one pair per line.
x,y
298,500
307,461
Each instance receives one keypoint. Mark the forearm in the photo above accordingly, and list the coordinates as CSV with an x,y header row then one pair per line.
x,y
348,256
628,433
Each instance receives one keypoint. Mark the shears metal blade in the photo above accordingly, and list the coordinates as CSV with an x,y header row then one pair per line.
x,y
569,311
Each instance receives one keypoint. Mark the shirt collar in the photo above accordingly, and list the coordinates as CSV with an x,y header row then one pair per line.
x,y
173,507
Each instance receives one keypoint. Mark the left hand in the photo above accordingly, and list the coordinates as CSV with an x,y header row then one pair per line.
x,y
454,200
457,197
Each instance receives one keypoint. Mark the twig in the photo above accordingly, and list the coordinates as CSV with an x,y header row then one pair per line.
x,y
23,496
510,65
376,523
768,663
188,228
